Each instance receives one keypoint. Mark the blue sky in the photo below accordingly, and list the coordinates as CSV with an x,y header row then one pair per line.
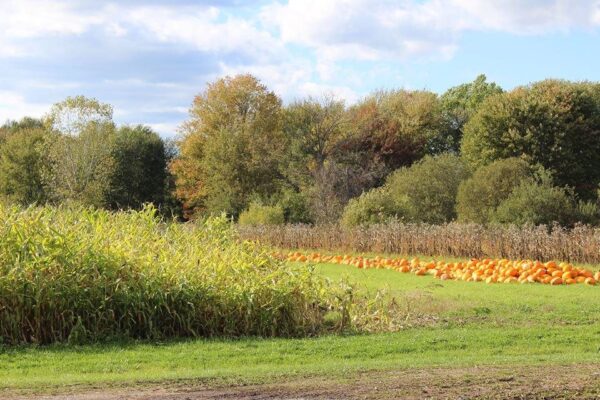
x,y
149,58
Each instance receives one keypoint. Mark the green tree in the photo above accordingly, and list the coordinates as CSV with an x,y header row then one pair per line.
x,y
552,123
22,162
312,128
385,131
81,166
391,129
232,147
458,104
74,114
140,168
80,159
24,123
480,195
428,188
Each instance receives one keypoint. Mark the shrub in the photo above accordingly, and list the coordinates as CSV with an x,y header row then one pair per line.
x,y
480,195
536,202
295,208
429,187
372,207
588,212
79,274
258,214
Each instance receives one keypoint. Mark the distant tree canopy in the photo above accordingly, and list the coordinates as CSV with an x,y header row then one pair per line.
x,y
80,162
313,129
474,154
22,162
552,123
77,154
232,147
139,173
16,126
75,114
458,104
536,201
393,129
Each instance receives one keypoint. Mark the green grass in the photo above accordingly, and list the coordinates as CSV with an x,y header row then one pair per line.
x,y
256,360
495,305
473,324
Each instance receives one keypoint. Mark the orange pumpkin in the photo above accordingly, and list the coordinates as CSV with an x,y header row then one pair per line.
x,y
556,281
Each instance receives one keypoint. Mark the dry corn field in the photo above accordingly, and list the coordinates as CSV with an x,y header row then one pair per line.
x,y
486,270
580,244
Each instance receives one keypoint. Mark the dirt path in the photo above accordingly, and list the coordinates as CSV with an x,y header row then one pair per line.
x,y
551,382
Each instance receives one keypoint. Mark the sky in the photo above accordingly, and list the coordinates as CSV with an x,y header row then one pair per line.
x,y
150,58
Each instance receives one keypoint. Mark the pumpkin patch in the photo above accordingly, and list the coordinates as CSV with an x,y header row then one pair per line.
x,y
485,270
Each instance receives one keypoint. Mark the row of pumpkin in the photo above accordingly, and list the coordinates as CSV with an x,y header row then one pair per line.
x,y
485,270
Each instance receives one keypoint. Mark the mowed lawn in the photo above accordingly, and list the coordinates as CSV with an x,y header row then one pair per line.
x,y
448,324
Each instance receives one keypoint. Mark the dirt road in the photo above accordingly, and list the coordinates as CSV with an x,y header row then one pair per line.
x,y
565,382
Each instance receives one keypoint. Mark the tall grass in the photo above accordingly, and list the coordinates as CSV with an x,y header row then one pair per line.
x,y
579,244
75,273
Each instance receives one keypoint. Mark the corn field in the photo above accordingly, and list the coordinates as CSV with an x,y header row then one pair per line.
x,y
75,274
579,244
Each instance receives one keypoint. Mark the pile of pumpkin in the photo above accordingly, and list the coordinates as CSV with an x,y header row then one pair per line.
x,y
485,270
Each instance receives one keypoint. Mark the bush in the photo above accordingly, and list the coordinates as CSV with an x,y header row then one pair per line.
x,y
552,123
79,274
536,202
295,208
588,213
429,187
479,196
257,214
372,207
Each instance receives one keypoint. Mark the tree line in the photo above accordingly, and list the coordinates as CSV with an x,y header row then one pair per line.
x,y
77,154
476,153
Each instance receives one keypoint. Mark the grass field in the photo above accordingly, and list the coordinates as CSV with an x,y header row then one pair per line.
x,y
448,324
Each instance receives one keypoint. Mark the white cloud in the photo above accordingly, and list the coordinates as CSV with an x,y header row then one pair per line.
x,y
362,29
282,78
402,29
33,18
204,29
335,29
316,90
167,130
23,20
14,106
296,47
199,27
530,16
